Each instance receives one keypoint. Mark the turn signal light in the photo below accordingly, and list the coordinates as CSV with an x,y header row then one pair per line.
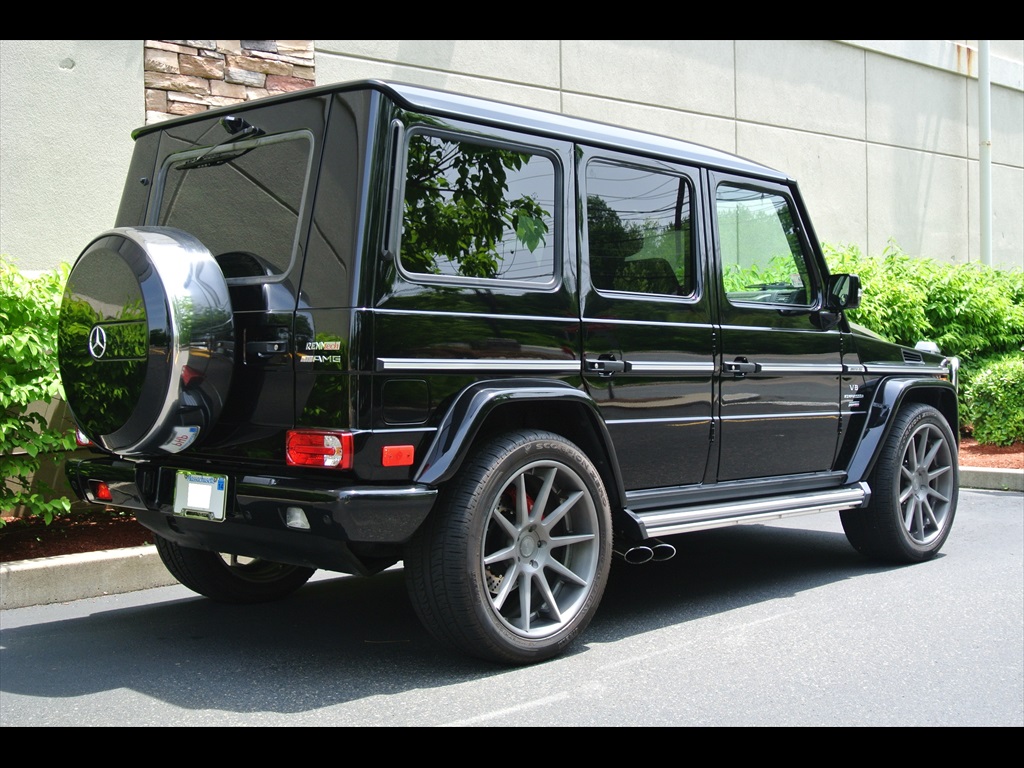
x,y
318,448
397,456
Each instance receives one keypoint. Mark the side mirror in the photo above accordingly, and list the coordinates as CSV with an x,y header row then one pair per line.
x,y
843,292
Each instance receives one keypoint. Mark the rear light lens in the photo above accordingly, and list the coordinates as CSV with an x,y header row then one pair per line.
x,y
189,375
397,456
100,491
81,440
318,448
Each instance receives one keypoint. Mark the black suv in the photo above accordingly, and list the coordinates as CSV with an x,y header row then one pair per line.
x,y
372,322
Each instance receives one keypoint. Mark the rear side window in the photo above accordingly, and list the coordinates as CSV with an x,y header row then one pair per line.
x,y
639,229
477,210
243,200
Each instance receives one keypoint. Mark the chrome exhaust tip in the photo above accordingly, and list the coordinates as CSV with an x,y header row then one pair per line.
x,y
662,551
636,555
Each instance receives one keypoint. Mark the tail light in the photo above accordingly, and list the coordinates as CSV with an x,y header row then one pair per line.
x,y
318,448
100,491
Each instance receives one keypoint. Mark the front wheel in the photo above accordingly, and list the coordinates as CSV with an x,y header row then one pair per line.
x,y
513,562
914,490
230,578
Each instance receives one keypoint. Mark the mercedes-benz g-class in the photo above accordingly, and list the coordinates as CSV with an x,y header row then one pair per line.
x,y
372,323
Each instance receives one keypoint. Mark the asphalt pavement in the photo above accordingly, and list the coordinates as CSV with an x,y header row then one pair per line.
x,y
92,574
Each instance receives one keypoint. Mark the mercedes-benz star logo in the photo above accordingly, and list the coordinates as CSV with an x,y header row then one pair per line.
x,y
97,342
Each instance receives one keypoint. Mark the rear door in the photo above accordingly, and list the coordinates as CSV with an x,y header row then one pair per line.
x,y
648,340
243,186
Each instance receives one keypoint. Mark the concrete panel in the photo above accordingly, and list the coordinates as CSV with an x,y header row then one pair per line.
x,y
919,200
530,62
335,68
66,114
692,75
1007,217
1012,50
812,85
713,132
1007,123
829,170
916,107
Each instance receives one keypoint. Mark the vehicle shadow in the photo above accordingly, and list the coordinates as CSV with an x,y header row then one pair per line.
x,y
346,638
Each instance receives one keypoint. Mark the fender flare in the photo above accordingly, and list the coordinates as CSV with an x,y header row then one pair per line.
x,y
890,394
469,411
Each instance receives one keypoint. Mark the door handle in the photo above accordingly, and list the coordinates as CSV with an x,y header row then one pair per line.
x,y
603,367
741,367
266,348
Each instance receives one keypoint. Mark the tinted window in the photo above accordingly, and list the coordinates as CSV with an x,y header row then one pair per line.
x,y
639,229
241,198
474,210
762,258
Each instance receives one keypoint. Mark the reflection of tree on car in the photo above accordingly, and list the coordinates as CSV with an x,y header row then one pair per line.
x,y
457,208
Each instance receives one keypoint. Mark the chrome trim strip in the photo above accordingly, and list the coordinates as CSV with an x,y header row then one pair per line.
x,y
681,421
494,315
473,365
796,368
913,370
788,415
653,366
854,368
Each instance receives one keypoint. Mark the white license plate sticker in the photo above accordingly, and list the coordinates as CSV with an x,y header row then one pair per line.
x,y
200,495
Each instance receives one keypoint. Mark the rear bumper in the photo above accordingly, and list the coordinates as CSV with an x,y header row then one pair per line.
x,y
347,524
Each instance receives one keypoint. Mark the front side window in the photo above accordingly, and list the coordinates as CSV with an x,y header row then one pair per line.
x,y
639,229
476,210
242,200
763,260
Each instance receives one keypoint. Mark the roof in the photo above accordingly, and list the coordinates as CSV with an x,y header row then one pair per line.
x,y
510,116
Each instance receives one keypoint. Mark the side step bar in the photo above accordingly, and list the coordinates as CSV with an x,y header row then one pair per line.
x,y
664,522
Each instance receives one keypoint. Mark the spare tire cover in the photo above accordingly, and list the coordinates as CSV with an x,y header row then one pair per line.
x,y
145,341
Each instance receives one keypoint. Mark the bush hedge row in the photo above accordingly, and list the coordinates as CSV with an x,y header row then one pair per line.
x,y
970,310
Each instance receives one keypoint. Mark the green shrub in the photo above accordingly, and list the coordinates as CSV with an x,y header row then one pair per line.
x,y
993,398
970,310
29,377
894,292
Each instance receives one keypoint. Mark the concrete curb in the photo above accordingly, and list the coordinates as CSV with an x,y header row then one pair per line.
x,y
983,479
73,577
93,574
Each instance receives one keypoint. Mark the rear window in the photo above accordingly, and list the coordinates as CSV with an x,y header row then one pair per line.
x,y
243,200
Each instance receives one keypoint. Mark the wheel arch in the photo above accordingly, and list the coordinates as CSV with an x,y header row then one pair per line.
x,y
489,407
891,395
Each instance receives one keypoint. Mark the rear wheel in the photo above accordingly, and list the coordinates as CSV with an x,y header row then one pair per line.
x,y
230,578
514,561
914,489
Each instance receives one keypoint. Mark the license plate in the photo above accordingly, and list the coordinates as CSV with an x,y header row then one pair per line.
x,y
200,495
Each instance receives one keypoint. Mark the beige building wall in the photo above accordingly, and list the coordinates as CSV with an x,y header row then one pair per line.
x,y
67,109
882,135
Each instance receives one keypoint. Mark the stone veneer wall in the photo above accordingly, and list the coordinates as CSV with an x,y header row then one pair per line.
x,y
187,76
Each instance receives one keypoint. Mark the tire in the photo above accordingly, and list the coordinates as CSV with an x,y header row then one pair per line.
x,y
229,578
511,565
914,490
145,341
